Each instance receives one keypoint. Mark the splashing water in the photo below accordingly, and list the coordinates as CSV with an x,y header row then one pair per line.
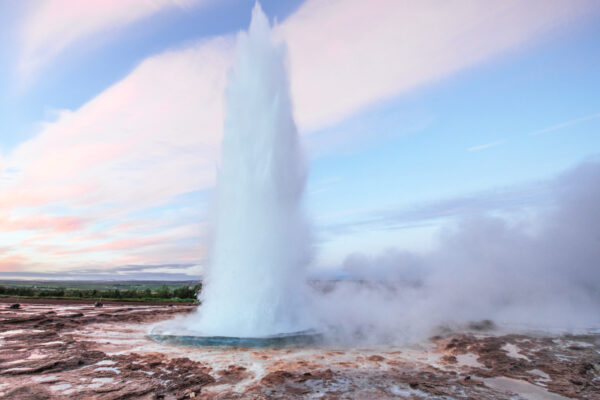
x,y
255,284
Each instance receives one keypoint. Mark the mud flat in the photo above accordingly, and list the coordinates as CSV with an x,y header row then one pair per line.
x,y
77,351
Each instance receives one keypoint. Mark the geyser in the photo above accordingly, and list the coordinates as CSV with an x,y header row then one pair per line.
x,y
255,283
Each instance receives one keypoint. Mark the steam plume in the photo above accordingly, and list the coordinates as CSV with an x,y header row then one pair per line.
x,y
541,272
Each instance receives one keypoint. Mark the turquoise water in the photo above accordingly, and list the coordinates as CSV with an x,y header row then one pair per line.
x,y
290,339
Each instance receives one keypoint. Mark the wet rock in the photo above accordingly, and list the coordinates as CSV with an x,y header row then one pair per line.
x,y
483,325
276,378
233,374
14,306
280,377
449,359
28,392
98,304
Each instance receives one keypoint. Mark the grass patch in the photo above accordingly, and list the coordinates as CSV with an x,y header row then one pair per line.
x,y
129,291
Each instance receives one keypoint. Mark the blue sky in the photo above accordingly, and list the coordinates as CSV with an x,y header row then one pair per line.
x,y
108,142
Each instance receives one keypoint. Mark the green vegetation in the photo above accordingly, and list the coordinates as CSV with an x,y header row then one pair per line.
x,y
133,290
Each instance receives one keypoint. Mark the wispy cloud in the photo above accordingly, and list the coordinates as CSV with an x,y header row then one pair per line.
x,y
324,185
498,200
13,262
152,272
368,52
485,146
54,224
566,124
54,25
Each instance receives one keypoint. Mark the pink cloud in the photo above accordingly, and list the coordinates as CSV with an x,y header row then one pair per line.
x,y
132,259
53,25
12,263
346,55
114,245
53,224
136,243
22,195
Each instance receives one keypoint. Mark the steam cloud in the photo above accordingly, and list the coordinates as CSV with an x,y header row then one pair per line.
x,y
542,272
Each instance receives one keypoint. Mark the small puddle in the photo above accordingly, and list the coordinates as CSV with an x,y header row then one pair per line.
x,y
513,351
106,362
49,378
542,375
524,389
61,386
112,369
98,382
468,360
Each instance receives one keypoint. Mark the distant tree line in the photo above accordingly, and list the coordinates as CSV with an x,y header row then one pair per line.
x,y
189,293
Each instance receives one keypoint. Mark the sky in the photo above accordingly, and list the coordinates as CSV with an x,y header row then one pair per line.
x,y
413,116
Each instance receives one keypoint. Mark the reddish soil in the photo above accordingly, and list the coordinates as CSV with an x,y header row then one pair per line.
x,y
77,351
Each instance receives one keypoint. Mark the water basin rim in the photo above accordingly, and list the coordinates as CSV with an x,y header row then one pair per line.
x,y
189,335
302,338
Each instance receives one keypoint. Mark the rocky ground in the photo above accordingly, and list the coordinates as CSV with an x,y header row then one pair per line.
x,y
78,351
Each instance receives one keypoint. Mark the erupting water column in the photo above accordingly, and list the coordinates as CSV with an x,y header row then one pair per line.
x,y
255,284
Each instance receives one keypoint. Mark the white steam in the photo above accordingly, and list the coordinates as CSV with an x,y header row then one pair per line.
x,y
255,284
541,273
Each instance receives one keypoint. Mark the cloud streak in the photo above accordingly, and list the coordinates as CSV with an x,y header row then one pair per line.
x,y
54,25
370,53
566,124
485,146
505,200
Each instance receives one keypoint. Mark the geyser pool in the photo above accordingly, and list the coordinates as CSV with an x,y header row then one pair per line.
x,y
255,285
288,339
